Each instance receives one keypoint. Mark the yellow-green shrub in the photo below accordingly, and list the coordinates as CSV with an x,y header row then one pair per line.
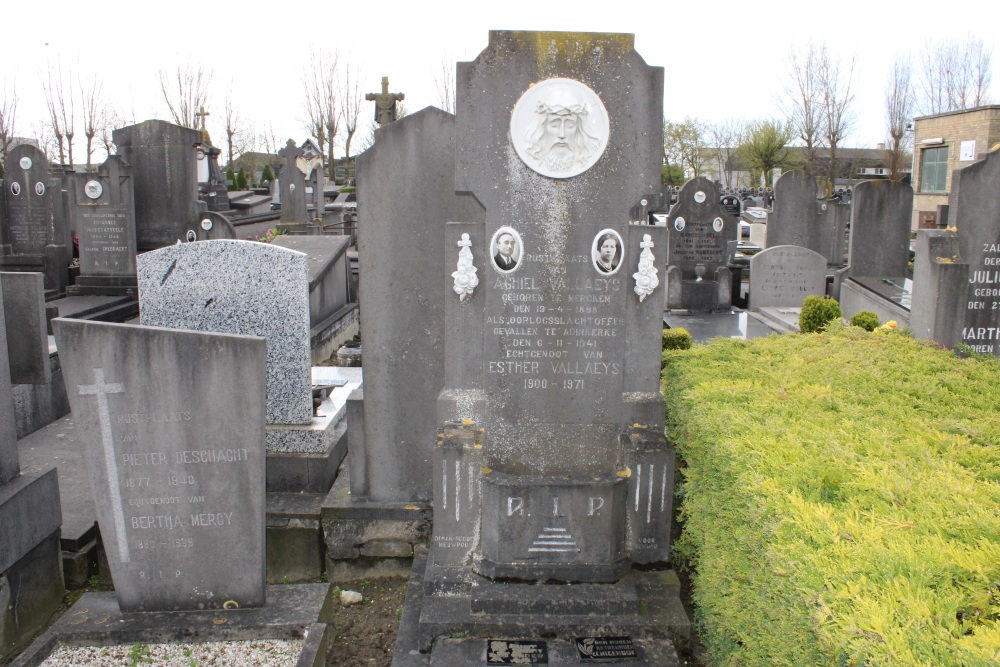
x,y
841,500
817,313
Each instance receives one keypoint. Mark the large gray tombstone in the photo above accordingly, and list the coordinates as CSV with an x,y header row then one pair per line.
x,y
164,161
702,244
785,275
27,327
104,213
33,236
880,229
406,194
799,219
552,340
974,209
172,424
239,287
294,204
940,286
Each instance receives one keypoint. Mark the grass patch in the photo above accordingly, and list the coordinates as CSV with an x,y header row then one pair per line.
x,y
840,501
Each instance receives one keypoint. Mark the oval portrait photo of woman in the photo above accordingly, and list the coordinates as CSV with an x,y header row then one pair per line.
x,y
607,251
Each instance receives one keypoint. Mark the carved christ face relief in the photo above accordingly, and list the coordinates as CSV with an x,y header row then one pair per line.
x,y
559,128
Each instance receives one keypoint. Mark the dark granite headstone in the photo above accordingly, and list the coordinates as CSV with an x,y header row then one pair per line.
x,y
880,229
405,197
703,240
785,275
33,236
293,186
27,327
210,226
163,157
104,214
172,423
974,208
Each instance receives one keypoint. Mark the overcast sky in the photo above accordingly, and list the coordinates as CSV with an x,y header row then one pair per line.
x,y
722,59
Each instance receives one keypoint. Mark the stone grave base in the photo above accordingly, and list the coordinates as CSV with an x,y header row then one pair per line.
x,y
881,296
783,318
448,604
304,458
292,612
369,538
103,286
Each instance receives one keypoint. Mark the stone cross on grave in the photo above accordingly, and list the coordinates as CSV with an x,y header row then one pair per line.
x,y
101,390
201,113
290,153
385,103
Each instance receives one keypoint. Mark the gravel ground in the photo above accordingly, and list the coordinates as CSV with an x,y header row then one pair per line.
x,y
259,653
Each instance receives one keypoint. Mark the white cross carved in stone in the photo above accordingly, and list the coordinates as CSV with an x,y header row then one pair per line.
x,y
101,390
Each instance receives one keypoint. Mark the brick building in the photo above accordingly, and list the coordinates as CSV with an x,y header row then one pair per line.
x,y
942,143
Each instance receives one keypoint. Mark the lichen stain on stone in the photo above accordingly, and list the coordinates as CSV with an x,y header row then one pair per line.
x,y
559,51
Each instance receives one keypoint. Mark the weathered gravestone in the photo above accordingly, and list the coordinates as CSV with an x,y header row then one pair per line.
x,y
551,462
104,212
940,286
880,229
799,219
294,203
240,287
173,430
33,234
975,211
27,327
703,240
406,191
31,581
785,275
164,162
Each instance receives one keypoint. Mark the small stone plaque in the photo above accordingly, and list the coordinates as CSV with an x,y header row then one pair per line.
x,y
605,649
516,652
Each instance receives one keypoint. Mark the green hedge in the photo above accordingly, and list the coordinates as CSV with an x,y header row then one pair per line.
x,y
840,502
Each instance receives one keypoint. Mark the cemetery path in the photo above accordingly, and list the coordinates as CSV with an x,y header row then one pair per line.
x,y
364,634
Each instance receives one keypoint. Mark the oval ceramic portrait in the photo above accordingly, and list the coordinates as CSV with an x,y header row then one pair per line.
x,y
607,250
679,224
39,188
506,249
15,188
559,128
717,224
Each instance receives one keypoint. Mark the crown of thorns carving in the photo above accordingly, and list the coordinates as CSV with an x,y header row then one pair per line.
x,y
562,110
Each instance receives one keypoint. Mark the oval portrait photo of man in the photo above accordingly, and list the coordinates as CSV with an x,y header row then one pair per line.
x,y
506,249
607,251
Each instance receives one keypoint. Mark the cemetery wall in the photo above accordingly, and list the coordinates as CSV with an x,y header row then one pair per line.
x,y
981,125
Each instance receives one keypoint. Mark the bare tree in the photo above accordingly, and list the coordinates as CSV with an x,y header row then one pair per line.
x,y
93,108
955,75
444,83
898,112
60,102
111,120
802,101
239,138
8,112
186,92
351,99
726,136
838,106
319,79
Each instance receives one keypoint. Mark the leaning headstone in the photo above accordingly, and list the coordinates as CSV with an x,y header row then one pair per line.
x,y
800,219
104,214
975,210
880,229
34,236
173,429
164,162
785,275
27,327
240,287
703,239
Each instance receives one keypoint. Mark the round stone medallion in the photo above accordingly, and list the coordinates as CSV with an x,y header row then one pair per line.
x,y
25,163
93,189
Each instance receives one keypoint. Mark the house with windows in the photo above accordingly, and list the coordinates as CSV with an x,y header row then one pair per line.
x,y
942,143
